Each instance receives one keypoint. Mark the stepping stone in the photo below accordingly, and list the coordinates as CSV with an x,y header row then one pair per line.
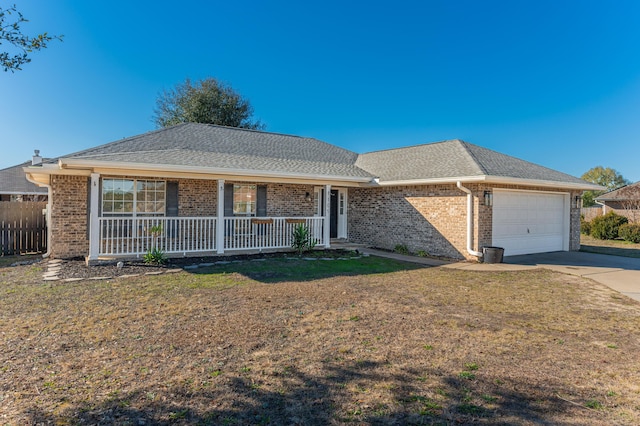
x,y
55,278
50,274
56,269
55,261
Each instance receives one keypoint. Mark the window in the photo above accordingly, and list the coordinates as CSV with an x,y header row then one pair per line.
x,y
133,196
244,200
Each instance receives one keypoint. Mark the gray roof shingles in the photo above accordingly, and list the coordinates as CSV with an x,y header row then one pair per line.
x,y
453,158
13,181
219,147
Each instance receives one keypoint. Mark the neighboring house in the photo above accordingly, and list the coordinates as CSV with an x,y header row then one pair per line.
x,y
15,187
212,189
624,201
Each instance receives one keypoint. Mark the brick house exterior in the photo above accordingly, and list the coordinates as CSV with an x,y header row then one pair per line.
x,y
214,189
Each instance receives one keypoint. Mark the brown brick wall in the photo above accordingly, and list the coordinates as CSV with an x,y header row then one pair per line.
x,y
69,217
197,197
289,200
431,218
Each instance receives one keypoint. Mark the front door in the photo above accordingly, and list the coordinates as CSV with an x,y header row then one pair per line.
x,y
333,211
333,218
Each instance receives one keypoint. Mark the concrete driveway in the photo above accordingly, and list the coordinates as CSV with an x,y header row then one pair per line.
x,y
620,273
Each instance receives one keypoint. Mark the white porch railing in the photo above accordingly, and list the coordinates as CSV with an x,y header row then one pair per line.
x,y
133,236
245,233
128,236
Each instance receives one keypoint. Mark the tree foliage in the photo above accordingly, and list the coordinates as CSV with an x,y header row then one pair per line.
x,y
20,45
206,101
607,177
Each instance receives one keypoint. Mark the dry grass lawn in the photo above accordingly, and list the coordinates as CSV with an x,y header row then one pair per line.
x,y
233,347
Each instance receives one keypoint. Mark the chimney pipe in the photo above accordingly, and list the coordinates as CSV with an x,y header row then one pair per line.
x,y
36,160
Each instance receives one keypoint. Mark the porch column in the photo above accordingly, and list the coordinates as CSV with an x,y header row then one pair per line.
x,y
94,224
327,216
220,220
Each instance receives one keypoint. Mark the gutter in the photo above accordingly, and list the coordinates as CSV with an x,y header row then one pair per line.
x,y
470,249
48,216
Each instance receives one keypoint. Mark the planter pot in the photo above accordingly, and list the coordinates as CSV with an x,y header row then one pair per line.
x,y
492,254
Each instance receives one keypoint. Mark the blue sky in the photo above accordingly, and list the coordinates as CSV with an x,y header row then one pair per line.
x,y
552,82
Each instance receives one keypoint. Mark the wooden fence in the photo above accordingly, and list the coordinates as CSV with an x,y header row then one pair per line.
x,y
589,213
22,228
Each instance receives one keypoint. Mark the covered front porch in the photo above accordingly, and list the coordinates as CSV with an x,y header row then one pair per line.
x,y
183,236
188,227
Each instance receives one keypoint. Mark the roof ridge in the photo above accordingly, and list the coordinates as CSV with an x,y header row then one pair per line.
x,y
248,130
412,146
474,159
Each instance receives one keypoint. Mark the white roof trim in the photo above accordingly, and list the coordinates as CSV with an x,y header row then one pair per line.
x,y
492,179
22,193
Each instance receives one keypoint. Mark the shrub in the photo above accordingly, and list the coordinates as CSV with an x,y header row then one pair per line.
x,y
630,232
606,227
401,249
302,240
585,227
155,256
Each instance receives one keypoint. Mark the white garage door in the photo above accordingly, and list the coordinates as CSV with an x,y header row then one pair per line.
x,y
530,222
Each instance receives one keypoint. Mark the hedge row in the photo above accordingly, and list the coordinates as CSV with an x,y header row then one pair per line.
x,y
611,226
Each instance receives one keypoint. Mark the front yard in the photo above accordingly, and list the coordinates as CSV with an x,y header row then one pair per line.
x,y
293,342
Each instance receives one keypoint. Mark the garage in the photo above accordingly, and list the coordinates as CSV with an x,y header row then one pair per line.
x,y
530,222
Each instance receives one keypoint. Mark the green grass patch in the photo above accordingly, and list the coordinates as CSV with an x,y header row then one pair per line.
x,y
296,269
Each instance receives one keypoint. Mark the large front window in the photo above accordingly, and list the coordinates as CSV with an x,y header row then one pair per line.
x,y
244,200
133,197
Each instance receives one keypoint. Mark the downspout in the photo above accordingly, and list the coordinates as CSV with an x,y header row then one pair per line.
x,y
48,216
470,249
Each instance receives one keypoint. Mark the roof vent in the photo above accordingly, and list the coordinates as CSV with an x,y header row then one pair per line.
x,y
36,160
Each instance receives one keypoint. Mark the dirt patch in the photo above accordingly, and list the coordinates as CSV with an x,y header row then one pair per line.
x,y
407,346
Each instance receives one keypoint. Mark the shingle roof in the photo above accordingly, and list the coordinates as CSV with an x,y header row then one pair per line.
x,y
453,158
218,148
628,192
13,181
205,145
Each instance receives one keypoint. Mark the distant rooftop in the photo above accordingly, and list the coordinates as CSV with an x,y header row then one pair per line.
x,y
13,181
